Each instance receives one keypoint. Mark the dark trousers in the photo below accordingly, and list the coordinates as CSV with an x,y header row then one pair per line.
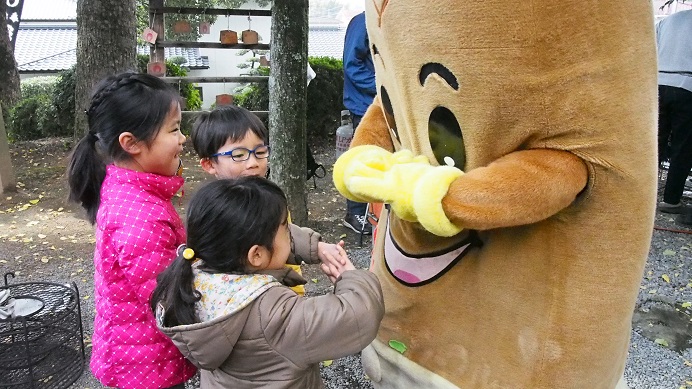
x,y
352,207
675,138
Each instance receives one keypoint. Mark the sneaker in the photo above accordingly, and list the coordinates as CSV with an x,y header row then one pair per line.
x,y
685,218
358,223
671,208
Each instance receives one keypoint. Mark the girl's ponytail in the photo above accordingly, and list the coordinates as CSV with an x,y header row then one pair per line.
x,y
175,293
85,173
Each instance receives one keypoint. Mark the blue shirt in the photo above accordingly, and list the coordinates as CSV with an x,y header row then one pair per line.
x,y
359,70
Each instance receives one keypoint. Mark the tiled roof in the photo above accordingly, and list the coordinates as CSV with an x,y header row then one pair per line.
x,y
49,10
45,49
52,49
194,60
326,41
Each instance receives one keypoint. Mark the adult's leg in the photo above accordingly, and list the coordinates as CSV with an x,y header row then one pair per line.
x,y
680,145
664,125
352,207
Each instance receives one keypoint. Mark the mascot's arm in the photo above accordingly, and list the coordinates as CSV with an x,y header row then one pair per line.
x,y
373,129
520,188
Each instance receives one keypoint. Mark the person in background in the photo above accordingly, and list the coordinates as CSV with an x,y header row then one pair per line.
x,y
125,172
675,105
226,304
232,142
359,92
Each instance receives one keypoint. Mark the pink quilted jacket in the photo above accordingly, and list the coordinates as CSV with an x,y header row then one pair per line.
x,y
137,232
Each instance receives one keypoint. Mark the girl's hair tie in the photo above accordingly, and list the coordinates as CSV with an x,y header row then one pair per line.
x,y
186,252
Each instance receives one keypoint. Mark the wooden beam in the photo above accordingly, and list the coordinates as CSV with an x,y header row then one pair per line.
x,y
211,45
260,114
209,11
201,80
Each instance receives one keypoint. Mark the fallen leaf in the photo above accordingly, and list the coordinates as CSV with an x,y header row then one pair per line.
x,y
666,278
398,346
327,363
34,202
661,341
41,236
669,252
686,304
342,236
44,259
314,280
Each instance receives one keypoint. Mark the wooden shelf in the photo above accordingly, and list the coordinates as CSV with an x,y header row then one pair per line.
x,y
201,80
212,45
210,11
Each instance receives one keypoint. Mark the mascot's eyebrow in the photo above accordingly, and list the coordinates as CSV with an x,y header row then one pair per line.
x,y
440,70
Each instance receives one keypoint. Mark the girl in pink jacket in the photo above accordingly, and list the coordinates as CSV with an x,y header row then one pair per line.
x,y
134,123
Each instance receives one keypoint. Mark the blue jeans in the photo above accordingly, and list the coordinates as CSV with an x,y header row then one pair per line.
x,y
353,207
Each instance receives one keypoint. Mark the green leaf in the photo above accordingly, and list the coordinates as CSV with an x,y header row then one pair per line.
x,y
686,304
669,253
398,346
666,278
662,342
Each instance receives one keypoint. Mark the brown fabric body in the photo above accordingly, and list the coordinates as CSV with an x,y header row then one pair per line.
x,y
557,107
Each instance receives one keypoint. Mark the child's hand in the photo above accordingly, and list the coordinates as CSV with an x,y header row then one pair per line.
x,y
334,269
329,253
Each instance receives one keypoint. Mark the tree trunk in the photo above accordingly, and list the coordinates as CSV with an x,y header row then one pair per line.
x,y
9,87
287,102
106,45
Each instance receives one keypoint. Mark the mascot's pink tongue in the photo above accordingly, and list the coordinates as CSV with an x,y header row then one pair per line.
x,y
418,270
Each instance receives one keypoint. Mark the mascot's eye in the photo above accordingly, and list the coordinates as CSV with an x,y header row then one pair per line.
x,y
389,112
446,140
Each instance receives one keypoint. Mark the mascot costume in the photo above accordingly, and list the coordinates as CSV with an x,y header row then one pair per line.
x,y
514,143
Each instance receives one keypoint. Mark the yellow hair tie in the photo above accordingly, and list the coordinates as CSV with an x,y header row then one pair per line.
x,y
189,254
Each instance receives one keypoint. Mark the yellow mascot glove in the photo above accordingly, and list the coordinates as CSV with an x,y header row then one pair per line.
x,y
375,157
409,183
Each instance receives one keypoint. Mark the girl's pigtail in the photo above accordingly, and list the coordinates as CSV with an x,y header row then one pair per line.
x,y
174,290
86,171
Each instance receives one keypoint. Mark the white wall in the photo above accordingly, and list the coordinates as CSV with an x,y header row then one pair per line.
x,y
223,62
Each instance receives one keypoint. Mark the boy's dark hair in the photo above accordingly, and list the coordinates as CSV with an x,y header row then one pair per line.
x,y
128,102
224,220
214,128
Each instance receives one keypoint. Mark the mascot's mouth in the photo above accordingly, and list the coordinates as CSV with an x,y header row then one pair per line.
x,y
419,270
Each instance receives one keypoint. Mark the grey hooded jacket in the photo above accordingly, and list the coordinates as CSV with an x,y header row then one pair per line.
x,y
258,333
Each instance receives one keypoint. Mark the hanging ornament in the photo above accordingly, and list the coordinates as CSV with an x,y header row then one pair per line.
x,y
157,69
263,61
205,28
149,35
224,99
228,36
182,27
249,36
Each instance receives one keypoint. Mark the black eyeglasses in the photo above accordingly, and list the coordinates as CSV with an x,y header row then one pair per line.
x,y
240,154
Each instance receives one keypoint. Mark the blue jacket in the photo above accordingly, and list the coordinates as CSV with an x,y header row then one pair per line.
x,y
359,71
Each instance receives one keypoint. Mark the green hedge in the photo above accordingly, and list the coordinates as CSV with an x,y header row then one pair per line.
x,y
46,108
324,98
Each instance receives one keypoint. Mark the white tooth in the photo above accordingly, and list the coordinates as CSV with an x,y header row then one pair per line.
x,y
449,161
